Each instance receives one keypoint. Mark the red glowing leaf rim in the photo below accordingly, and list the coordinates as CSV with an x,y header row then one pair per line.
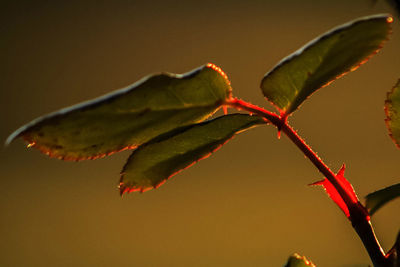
x,y
127,188
124,188
285,60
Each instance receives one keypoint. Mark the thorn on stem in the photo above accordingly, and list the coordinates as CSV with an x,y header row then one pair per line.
x,y
225,109
282,121
279,133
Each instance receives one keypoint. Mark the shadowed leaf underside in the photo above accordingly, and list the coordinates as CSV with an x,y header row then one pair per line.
x,y
378,199
153,163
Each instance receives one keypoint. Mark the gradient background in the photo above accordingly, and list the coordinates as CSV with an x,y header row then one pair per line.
x,y
247,205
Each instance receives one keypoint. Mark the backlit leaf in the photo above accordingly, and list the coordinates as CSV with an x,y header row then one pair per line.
x,y
392,110
323,60
376,200
298,261
153,163
128,117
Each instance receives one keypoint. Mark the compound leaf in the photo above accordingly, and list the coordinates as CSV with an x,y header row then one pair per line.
x,y
392,110
128,117
323,60
298,261
153,163
378,199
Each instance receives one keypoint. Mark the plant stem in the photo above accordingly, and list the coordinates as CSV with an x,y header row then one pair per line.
x,y
359,217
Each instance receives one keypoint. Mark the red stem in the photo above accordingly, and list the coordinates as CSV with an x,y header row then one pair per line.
x,y
358,214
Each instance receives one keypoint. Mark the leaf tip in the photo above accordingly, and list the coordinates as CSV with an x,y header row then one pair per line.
x,y
127,188
121,189
12,137
297,260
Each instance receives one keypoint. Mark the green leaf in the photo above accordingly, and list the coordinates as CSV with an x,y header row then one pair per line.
x,y
392,110
128,117
323,60
297,261
153,163
376,200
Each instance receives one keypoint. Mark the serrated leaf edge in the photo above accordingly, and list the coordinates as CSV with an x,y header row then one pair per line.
x,y
386,108
310,44
124,188
99,100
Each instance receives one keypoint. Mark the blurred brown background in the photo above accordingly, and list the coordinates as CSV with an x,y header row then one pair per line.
x,y
247,205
